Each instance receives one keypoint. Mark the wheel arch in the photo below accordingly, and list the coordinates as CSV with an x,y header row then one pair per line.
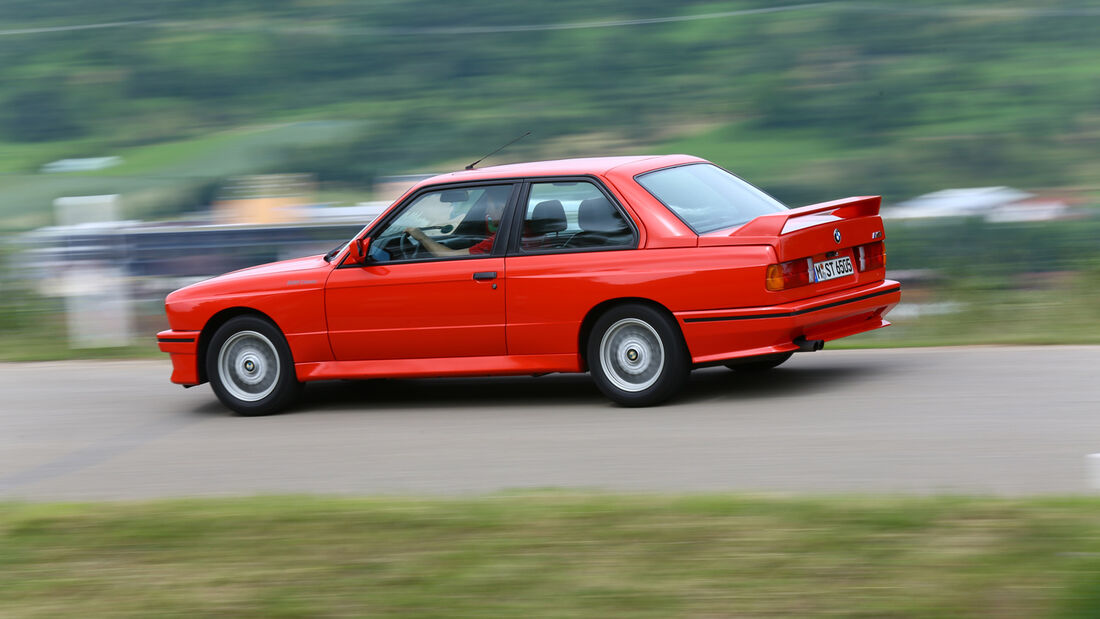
x,y
598,310
214,323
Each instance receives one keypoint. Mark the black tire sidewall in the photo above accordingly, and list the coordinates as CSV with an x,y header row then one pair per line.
x,y
676,366
287,387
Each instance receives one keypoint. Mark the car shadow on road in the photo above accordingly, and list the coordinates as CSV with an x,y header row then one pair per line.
x,y
211,408
504,391
708,384
720,383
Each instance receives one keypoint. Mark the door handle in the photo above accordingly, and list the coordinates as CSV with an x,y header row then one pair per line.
x,y
485,275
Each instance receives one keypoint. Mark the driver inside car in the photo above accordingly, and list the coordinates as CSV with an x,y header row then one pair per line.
x,y
494,210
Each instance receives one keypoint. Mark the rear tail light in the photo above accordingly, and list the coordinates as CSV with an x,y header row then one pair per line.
x,y
789,274
871,256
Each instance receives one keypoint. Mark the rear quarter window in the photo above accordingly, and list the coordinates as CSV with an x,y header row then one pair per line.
x,y
706,197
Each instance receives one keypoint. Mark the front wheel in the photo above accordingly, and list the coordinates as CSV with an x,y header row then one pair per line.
x,y
637,355
250,367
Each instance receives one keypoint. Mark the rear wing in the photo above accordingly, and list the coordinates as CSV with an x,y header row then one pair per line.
x,y
779,223
769,229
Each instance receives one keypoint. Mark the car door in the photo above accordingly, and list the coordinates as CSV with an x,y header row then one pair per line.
x,y
572,249
411,300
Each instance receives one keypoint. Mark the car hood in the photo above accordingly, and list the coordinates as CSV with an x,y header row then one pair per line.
x,y
274,268
306,272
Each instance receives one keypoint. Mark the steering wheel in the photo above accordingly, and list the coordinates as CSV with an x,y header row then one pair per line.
x,y
407,245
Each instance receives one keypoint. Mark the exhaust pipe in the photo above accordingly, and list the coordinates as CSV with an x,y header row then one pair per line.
x,y
805,345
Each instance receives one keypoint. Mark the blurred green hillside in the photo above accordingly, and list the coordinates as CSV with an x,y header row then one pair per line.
x,y
813,103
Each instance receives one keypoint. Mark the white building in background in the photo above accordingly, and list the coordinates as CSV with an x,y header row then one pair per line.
x,y
86,210
994,204
98,307
86,164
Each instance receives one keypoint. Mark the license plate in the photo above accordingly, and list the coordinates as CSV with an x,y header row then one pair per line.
x,y
832,269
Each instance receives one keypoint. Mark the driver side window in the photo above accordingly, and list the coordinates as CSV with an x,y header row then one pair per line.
x,y
443,223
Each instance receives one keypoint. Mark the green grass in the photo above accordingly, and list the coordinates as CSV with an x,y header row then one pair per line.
x,y
156,175
228,152
1063,315
765,156
27,157
23,347
554,554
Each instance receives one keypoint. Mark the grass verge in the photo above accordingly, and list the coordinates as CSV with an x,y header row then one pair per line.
x,y
161,173
554,554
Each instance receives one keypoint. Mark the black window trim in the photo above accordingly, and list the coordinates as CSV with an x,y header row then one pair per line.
x,y
677,215
515,234
380,224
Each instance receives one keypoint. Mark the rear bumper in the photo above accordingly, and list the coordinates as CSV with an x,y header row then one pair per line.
x,y
183,347
716,335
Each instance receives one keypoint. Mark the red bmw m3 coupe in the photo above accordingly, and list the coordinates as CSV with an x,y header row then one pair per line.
x,y
635,269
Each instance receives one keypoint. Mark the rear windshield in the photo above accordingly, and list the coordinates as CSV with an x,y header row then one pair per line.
x,y
707,197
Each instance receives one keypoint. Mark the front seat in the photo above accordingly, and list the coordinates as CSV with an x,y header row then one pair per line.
x,y
548,218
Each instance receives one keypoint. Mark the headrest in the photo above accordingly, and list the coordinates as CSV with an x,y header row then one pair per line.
x,y
548,216
597,215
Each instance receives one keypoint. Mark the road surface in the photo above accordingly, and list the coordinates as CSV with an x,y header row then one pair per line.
x,y
997,420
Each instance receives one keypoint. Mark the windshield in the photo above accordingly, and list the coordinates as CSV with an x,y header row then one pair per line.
x,y
706,197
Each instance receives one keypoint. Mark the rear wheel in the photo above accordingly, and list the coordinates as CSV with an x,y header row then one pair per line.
x,y
250,367
759,364
637,355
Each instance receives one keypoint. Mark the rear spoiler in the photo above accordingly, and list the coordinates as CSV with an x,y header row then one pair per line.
x,y
768,227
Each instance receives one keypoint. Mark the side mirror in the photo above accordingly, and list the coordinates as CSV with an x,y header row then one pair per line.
x,y
357,253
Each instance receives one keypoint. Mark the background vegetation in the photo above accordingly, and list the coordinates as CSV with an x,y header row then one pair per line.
x,y
831,99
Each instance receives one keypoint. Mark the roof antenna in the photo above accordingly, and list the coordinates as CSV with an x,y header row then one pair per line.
x,y
471,166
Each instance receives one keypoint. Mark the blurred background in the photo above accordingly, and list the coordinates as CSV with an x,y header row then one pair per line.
x,y
144,145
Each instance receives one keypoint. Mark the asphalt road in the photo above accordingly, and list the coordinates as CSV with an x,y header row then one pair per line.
x,y
1005,420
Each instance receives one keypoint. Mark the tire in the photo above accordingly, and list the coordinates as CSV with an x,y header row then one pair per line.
x,y
637,355
762,363
250,367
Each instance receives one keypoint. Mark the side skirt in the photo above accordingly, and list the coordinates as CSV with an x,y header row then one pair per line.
x,y
501,365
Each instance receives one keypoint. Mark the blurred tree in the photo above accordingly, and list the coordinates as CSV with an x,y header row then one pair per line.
x,y
941,97
39,114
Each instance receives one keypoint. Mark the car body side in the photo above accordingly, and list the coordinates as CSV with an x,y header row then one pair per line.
x,y
711,283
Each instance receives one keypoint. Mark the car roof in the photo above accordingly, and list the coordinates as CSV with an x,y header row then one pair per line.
x,y
560,167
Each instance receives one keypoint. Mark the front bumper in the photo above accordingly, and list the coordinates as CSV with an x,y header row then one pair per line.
x,y
183,347
717,335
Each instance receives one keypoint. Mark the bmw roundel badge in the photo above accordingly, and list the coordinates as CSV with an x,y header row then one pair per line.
x,y
836,235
